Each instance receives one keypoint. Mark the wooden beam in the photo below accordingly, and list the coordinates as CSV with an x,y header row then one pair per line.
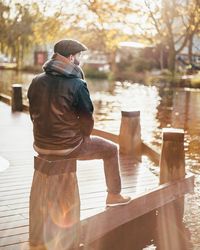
x,y
106,135
153,154
5,98
97,226
25,107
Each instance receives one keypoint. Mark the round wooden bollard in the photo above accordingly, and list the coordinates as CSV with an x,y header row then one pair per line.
x,y
130,134
54,211
17,97
172,160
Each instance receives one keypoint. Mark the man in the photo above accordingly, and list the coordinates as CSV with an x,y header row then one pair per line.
x,y
62,114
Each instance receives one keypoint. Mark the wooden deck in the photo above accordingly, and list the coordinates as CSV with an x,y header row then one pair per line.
x,y
15,182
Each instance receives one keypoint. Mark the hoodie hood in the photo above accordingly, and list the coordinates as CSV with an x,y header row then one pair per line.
x,y
59,65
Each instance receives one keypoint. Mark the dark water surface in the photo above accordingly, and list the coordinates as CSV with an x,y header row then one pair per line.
x,y
160,107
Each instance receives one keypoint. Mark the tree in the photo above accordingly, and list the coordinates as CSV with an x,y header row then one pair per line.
x,y
23,26
21,31
48,28
101,24
16,30
4,10
171,23
194,20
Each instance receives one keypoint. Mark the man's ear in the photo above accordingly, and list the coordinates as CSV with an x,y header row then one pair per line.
x,y
71,58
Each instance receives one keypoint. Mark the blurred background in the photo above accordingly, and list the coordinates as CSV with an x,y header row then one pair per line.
x,y
126,38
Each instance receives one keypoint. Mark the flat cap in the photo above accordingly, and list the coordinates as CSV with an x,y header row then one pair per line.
x,y
69,47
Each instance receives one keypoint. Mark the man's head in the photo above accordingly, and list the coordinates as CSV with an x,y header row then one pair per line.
x,y
70,48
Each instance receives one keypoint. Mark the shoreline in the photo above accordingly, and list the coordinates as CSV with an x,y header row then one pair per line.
x,y
146,78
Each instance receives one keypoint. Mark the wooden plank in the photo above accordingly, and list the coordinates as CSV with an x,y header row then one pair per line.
x,y
5,98
7,219
14,196
25,215
9,225
125,180
19,205
112,218
3,208
134,187
15,184
15,201
5,241
13,209
13,177
13,172
20,190
12,180
20,246
6,190
10,212
131,188
13,231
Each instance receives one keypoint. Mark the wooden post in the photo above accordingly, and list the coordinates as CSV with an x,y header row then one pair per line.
x,y
172,167
172,161
17,97
54,213
130,134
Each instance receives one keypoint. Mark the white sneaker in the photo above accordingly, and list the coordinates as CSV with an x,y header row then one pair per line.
x,y
113,200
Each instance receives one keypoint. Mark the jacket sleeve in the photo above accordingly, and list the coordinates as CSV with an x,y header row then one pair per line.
x,y
29,96
84,109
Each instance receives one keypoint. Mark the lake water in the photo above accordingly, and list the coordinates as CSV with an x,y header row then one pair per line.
x,y
160,107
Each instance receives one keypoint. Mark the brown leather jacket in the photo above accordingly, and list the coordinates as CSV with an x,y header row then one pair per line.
x,y
60,109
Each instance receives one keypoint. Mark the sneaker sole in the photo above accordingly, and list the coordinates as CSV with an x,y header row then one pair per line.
x,y
118,204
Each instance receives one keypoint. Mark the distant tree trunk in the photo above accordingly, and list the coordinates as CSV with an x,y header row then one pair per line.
x,y
13,54
22,53
19,53
161,58
190,45
2,48
18,61
112,62
172,60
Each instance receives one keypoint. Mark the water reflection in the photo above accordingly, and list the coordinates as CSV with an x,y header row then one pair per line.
x,y
179,109
9,77
128,97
